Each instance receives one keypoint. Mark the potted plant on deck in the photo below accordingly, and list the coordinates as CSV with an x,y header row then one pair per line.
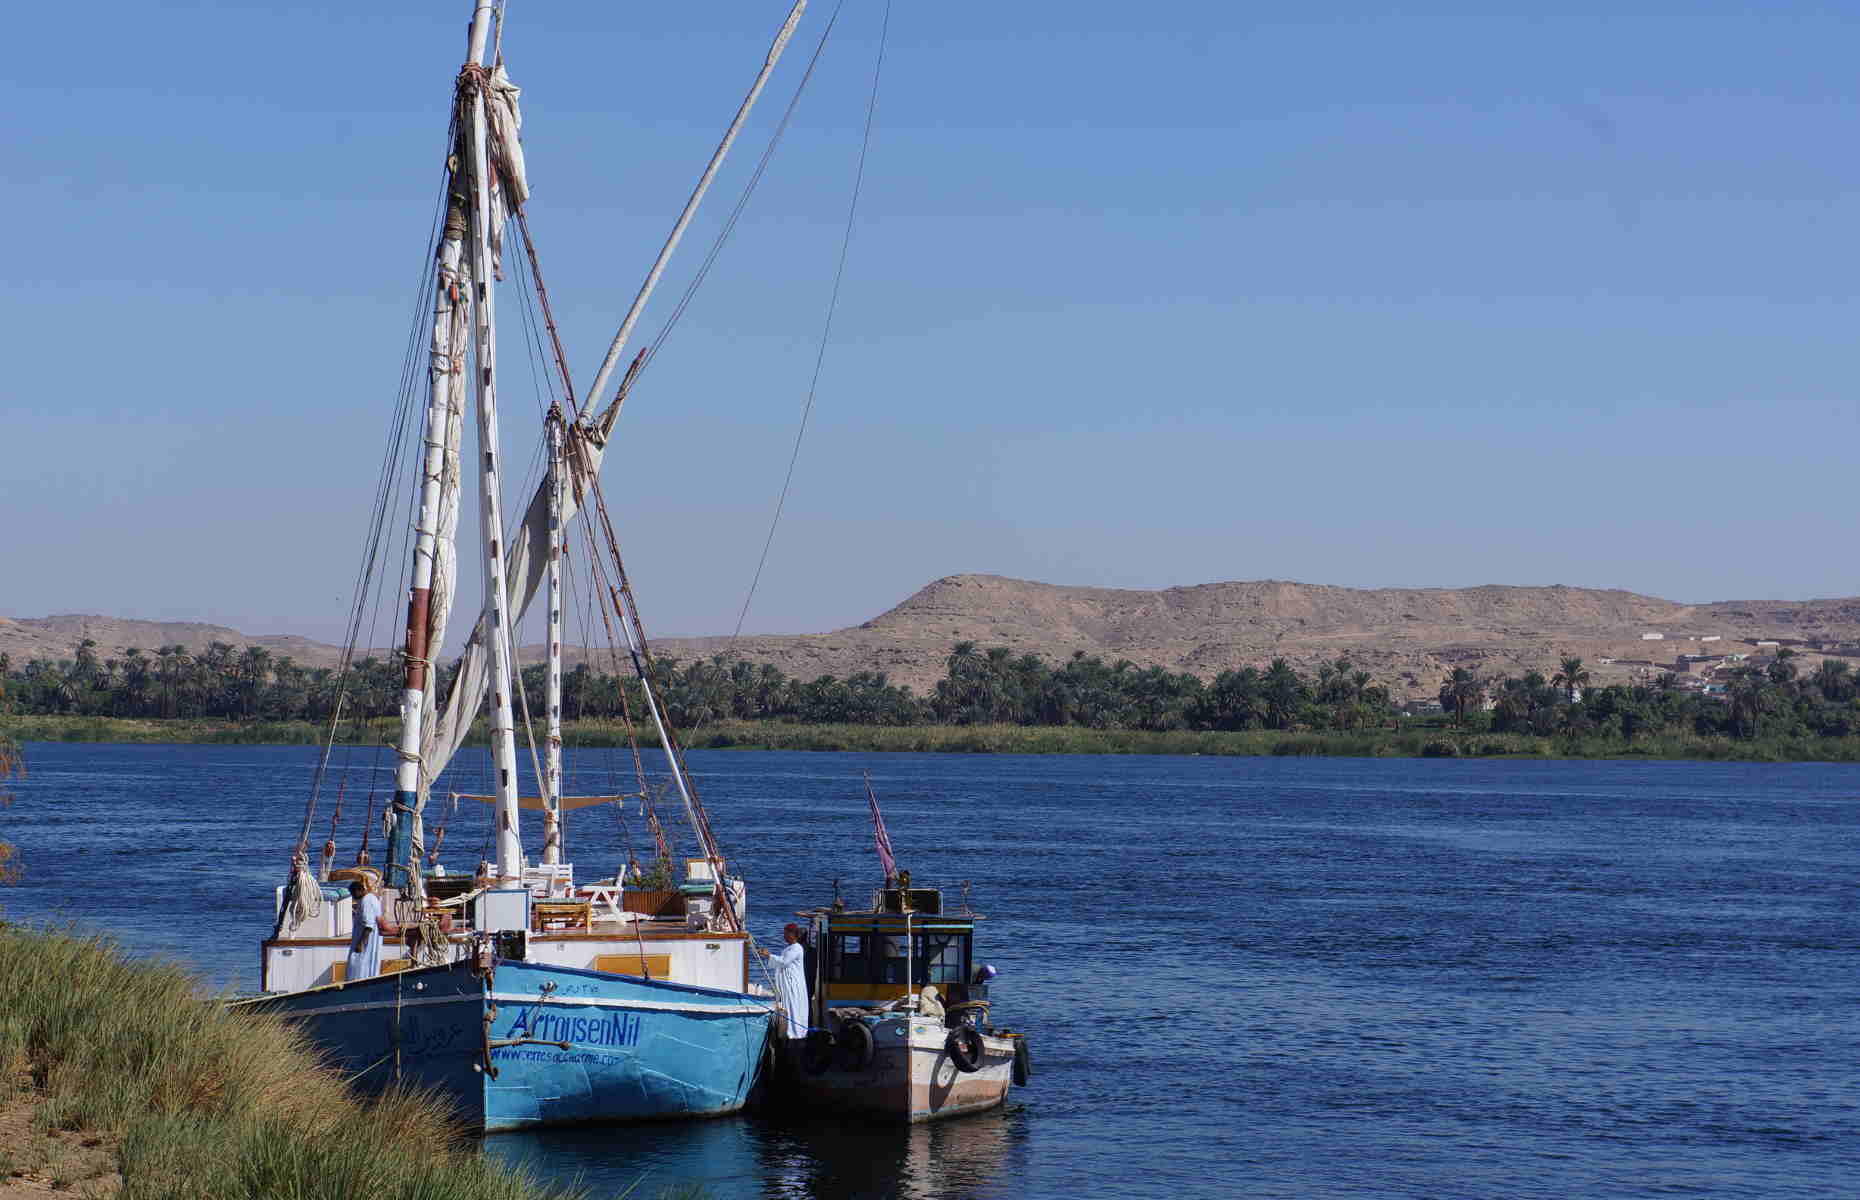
x,y
652,892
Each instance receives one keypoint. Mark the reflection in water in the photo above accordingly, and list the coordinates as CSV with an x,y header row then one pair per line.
x,y
738,1158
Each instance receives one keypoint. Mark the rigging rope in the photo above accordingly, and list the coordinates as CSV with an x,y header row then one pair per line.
x,y
641,653
603,592
384,490
826,330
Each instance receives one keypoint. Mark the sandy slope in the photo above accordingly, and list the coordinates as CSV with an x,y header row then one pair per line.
x,y
1408,639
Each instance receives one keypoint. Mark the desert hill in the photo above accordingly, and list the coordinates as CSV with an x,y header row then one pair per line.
x,y
1408,638
27,638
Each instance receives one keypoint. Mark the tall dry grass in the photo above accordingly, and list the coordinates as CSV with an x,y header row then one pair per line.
x,y
209,1104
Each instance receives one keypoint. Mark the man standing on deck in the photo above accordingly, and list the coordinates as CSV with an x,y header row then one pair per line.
x,y
365,943
791,981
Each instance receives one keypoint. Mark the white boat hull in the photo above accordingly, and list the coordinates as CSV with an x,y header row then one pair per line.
x,y
912,1077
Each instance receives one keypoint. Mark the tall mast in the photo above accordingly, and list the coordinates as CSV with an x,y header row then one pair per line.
x,y
552,742
437,517
587,445
490,510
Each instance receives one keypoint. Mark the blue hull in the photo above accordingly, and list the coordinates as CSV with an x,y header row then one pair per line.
x,y
539,1045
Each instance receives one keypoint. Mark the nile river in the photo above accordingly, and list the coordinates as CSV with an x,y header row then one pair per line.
x,y
1239,977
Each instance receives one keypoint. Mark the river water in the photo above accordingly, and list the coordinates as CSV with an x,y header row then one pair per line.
x,y
1239,977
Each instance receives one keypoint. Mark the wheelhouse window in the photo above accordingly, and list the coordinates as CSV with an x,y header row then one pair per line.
x,y
891,960
847,960
941,957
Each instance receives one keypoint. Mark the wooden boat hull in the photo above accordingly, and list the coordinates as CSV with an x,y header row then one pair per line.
x,y
524,1045
912,1077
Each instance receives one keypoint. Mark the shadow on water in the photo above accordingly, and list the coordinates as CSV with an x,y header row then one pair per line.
x,y
768,1157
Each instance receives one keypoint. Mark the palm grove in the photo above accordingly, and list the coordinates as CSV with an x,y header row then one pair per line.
x,y
1771,701
979,687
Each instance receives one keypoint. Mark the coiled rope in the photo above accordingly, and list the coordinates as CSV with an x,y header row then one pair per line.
x,y
306,893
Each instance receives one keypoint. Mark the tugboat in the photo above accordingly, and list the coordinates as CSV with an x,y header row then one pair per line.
x,y
900,1021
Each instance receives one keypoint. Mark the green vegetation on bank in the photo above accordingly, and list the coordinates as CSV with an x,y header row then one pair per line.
x,y
1424,738
988,700
127,1069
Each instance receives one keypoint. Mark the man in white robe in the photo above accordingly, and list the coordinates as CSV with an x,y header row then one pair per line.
x,y
365,942
791,982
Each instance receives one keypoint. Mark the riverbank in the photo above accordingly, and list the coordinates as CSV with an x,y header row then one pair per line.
x,y
123,1079
1413,740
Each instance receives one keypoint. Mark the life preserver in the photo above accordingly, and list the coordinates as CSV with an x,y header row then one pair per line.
x,y
1023,1062
856,1046
817,1052
965,1048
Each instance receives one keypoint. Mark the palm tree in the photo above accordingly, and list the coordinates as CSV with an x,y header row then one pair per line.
x,y
1572,678
1461,692
171,664
1281,690
1001,701
970,690
136,677
1749,696
1831,680
252,672
1515,707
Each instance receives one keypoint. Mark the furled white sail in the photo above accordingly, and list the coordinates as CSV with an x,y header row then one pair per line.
x,y
507,127
510,187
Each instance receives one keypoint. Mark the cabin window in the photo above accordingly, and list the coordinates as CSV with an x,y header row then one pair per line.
x,y
891,960
942,957
847,961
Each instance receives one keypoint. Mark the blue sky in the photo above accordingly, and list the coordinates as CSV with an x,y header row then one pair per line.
x,y
1139,296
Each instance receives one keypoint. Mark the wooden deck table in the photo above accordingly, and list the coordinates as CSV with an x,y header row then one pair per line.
x,y
569,913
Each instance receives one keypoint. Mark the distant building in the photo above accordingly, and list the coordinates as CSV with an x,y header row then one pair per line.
x,y
1652,637
1710,637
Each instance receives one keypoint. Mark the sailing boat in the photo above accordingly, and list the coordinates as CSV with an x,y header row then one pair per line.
x,y
521,997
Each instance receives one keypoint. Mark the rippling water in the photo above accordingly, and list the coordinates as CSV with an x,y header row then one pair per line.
x,y
1258,977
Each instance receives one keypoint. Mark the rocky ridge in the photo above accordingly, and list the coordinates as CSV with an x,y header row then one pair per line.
x,y
1408,638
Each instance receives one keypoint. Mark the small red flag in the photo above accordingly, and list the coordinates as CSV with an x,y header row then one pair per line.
x,y
879,835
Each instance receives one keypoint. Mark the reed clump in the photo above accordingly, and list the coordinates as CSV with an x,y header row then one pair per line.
x,y
197,1101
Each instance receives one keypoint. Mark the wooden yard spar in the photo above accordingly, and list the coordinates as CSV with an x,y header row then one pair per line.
x,y
488,170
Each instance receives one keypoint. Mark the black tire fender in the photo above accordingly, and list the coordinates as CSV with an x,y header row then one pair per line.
x,y
857,1047
1023,1062
965,1048
817,1052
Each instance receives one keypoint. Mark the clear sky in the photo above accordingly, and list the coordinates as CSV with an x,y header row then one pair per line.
x,y
1140,295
